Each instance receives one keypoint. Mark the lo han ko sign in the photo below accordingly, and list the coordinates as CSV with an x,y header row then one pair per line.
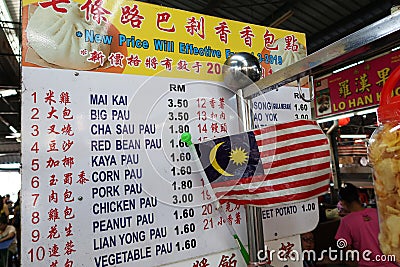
x,y
355,88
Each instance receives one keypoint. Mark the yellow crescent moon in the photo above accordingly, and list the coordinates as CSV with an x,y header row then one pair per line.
x,y
214,163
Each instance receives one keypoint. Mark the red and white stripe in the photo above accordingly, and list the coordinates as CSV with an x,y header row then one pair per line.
x,y
296,163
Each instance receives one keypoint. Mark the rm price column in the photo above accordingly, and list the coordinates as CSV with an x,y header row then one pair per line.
x,y
182,185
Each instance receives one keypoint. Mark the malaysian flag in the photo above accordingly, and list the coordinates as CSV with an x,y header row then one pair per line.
x,y
278,164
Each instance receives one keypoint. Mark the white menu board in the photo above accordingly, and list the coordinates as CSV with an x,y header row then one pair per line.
x,y
110,182
281,105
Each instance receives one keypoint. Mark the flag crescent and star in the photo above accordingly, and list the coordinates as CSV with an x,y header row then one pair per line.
x,y
214,162
275,165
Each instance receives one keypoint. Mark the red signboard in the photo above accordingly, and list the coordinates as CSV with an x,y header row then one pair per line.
x,y
355,88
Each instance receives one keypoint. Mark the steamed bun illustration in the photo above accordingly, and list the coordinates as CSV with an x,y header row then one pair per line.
x,y
288,56
53,37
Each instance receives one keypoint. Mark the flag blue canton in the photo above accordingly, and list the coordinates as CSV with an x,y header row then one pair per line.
x,y
220,164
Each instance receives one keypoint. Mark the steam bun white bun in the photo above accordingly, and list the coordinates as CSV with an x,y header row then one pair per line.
x,y
53,37
288,56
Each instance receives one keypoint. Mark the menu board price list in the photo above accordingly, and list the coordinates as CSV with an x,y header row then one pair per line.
x,y
132,137
301,111
182,196
272,108
135,191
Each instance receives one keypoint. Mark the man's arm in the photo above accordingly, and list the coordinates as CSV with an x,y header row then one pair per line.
x,y
8,235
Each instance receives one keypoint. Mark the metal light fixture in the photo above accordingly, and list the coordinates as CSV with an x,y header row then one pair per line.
x,y
347,115
354,136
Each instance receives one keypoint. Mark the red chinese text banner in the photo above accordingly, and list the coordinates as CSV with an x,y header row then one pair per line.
x,y
355,88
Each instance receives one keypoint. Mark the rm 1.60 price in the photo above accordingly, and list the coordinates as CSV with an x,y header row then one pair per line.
x,y
185,229
301,107
187,244
177,143
183,156
184,170
184,214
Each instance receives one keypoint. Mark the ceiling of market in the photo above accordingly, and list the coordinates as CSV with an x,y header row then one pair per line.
x,y
323,22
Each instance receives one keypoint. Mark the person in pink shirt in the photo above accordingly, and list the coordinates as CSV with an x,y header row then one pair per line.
x,y
359,230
